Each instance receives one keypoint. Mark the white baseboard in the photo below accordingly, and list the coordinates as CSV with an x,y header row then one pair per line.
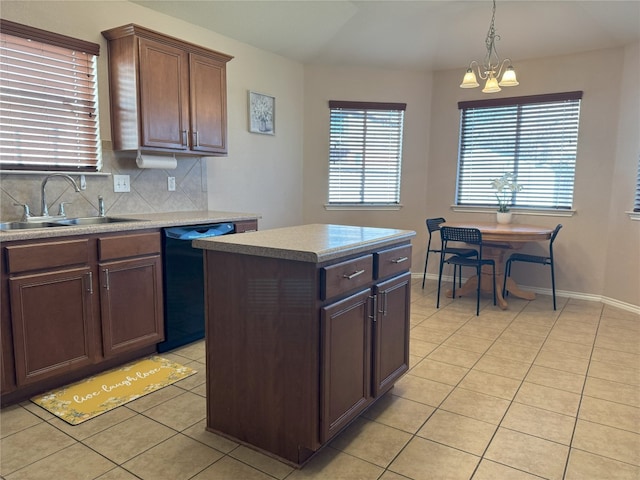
x,y
559,293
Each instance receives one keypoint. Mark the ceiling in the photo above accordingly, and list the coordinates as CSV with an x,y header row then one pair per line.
x,y
412,35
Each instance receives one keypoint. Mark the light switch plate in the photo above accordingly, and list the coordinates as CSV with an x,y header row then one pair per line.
x,y
171,184
121,183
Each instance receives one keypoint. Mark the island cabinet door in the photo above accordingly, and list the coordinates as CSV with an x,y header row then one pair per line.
x,y
346,362
391,332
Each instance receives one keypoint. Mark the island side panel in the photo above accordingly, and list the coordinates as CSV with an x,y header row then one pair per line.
x,y
262,344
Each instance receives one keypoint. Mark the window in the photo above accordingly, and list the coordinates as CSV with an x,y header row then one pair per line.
x,y
534,137
365,153
48,101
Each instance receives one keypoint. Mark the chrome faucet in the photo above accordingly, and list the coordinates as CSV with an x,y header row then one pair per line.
x,y
43,203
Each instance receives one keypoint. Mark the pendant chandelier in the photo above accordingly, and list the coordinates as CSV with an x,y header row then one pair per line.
x,y
492,67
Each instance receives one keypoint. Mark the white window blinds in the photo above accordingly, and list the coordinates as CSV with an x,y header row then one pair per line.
x,y
48,101
365,152
534,137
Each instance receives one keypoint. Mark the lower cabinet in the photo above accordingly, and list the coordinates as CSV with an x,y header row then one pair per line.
x,y
131,304
53,324
76,303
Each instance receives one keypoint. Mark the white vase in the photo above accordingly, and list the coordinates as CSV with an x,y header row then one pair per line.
x,y
503,217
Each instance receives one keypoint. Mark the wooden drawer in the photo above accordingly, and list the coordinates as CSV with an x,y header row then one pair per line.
x,y
248,226
345,276
123,246
391,261
41,256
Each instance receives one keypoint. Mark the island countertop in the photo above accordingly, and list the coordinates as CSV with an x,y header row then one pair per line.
x,y
316,243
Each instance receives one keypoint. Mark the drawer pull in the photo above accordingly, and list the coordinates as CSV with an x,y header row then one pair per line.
x,y
400,260
353,275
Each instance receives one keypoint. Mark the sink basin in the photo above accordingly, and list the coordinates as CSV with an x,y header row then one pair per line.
x,y
93,220
6,226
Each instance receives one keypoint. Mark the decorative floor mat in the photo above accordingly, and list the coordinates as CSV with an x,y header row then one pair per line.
x,y
83,400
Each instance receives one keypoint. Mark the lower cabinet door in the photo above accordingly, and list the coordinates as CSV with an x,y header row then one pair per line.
x,y
53,325
391,332
131,304
345,362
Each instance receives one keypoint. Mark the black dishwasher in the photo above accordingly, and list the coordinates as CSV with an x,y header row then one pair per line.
x,y
183,273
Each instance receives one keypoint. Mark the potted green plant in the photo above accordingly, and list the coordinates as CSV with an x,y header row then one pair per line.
x,y
505,186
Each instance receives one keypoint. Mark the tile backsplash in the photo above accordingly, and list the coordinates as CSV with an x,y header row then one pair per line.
x,y
149,192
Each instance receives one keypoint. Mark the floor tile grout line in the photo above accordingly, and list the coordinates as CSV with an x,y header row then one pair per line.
x,y
584,384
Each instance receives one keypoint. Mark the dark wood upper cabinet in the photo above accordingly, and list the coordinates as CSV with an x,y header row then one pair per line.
x,y
166,95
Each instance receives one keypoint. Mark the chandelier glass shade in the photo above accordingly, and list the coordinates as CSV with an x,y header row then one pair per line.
x,y
492,68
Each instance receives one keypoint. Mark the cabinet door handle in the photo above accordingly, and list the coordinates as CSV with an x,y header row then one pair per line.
x,y
196,139
90,289
400,260
374,307
383,304
106,278
353,275
185,134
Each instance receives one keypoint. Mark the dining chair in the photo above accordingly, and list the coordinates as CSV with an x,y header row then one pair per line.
x,y
433,225
472,236
539,259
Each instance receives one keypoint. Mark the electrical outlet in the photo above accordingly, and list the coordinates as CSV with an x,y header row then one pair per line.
x,y
121,183
171,184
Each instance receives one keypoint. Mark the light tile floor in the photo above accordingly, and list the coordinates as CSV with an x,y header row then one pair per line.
x,y
524,393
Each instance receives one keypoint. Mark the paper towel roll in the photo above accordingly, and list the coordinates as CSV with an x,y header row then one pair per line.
x,y
156,161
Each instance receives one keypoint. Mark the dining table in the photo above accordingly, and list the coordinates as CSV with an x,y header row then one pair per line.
x,y
498,240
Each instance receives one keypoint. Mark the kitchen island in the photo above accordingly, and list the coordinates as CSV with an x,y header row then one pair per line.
x,y
305,328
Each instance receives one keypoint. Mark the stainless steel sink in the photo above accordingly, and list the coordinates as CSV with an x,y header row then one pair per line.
x,y
65,222
7,226
93,220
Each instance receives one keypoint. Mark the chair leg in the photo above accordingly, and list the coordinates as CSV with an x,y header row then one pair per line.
x,y
507,272
424,276
494,284
479,275
459,277
553,285
455,268
439,282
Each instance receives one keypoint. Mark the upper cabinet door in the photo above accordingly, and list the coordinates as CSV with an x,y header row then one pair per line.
x,y
208,105
164,94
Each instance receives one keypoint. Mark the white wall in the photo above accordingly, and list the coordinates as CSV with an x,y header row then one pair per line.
x,y
261,173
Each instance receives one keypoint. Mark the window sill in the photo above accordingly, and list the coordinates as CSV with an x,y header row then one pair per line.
x,y
538,212
47,172
349,206
633,215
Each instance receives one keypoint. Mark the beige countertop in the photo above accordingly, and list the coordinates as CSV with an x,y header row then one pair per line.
x,y
138,222
315,243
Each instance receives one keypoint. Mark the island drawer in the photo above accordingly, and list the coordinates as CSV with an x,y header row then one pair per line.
x,y
345,276
392,261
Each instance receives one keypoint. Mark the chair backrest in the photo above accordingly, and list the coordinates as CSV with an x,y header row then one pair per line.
x,y
460,234
553,237
555,233
433,224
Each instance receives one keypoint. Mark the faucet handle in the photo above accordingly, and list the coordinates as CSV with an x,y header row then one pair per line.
x,y
101,210
61,211
26,212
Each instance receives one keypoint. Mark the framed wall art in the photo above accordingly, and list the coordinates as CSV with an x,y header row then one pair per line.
x,y
262,113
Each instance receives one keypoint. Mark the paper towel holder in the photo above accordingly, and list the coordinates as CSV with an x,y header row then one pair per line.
x,y
154,160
